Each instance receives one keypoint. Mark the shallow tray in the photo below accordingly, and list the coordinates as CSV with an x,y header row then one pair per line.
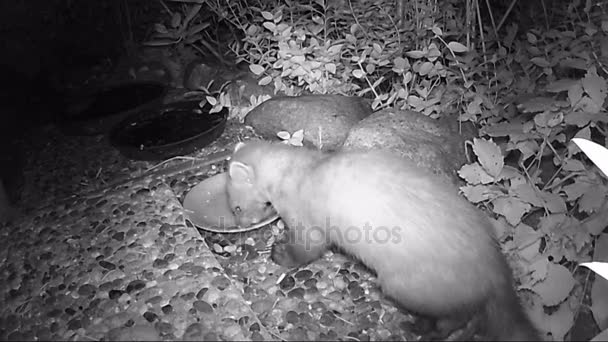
x,y
178,128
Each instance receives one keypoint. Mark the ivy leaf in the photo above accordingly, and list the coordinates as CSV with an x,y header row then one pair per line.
x,y
526,193
489,155
531,38
479,193
554,203
331,67
592,199
475,174
511,208
416,54
437,31
556,287
596,223
457,47
267,15
541,62
264,81
425,68
256,69
358,73
270,26
575,93
335,49
548,119
561,85
595,87
537,104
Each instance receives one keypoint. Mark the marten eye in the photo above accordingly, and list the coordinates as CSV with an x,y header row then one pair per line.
x,y
237,209
267,204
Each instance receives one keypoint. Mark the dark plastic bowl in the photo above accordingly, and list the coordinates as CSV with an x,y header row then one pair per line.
x,y
175,129
99,110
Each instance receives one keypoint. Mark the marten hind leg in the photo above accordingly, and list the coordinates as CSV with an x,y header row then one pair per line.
x,y
299,248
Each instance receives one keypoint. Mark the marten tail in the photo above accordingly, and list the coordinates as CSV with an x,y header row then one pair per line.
x,y
506,319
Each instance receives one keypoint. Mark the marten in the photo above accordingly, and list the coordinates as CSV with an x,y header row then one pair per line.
x,y
433,252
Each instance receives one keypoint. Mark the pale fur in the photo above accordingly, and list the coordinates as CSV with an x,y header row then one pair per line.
x,y
443,262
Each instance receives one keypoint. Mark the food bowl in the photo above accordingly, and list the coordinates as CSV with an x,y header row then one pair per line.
x,y
207,207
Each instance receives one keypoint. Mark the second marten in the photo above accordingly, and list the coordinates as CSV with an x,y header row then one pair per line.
x,y
433,252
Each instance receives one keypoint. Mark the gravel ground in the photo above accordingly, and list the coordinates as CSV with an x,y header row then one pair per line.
x,y
103,250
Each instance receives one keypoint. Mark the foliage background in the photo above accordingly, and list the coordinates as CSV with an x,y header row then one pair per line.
x,y
530,74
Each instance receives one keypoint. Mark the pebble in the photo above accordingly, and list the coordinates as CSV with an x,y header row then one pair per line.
x,y
202,306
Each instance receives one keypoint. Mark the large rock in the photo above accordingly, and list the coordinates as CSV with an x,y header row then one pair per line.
x,y
432,144
325,119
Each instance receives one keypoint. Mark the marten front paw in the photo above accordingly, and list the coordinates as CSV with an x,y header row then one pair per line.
x,y
284,255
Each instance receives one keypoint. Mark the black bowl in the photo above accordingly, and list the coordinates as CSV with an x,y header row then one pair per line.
x,y
97,111
175,129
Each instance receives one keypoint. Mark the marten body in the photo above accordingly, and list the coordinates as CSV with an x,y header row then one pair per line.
x,y
433,252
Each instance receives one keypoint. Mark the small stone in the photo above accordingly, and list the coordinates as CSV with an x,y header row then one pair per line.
x,y
74,324
119,236
154,300
87,290
107,265
221,282
114,294
169,257
296,293
356,291
150,316
136,285
202,306
254,327
327,319
160,263
200,294
339,283
291,317
303,275
187,296
165,328
193,332
311,283
167,309
287,283
70,311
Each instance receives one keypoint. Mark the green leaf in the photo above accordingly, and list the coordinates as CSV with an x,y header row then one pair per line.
x,y
264,81
557,286
267,15
479,193
541,62
489,155
415,54
457,47
256,69
511,208
475,174
561,85
358,73
595,87
270,26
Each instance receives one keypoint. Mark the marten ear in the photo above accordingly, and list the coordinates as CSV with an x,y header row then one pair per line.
x,y
238,146
240,173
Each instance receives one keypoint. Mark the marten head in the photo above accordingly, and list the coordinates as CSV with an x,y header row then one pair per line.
x,y
246,197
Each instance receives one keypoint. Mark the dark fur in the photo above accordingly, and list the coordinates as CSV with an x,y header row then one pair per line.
x,y
440,257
